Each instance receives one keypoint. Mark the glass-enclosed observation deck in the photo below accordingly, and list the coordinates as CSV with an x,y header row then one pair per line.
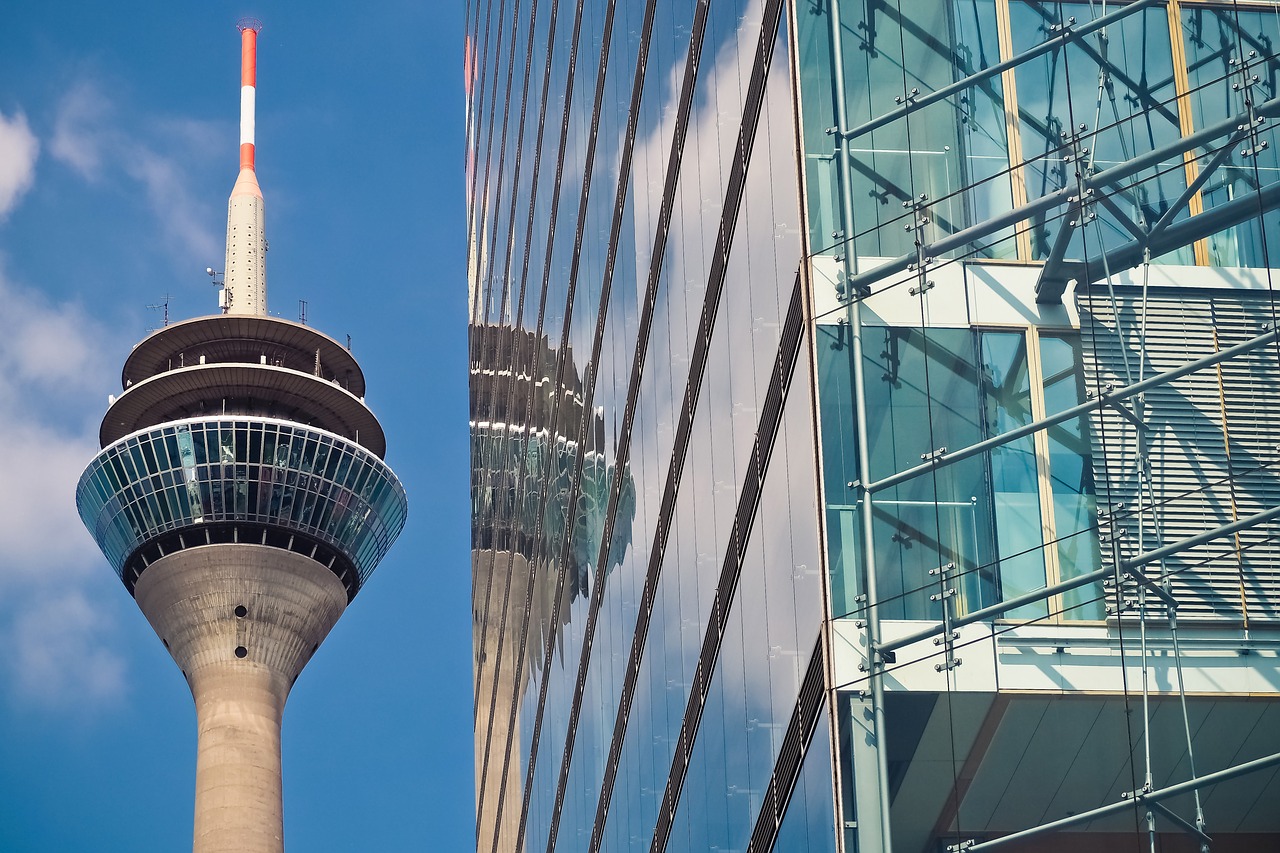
x,y
254,480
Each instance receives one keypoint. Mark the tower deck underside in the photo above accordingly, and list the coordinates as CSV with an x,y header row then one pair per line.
x,y
244,339
243,365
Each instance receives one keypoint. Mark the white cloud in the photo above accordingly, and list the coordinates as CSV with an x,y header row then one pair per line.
x,y
183,218
51,380
19,149
78,136
57,615
88,139
56,654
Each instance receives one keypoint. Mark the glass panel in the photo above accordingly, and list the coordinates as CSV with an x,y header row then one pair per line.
x,y
1114,88
124,513
809,823
954,151
1232,63
1015,485
1071,473
840,464
922,396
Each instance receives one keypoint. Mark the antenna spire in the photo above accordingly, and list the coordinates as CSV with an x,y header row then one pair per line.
x,y
249,28
245,282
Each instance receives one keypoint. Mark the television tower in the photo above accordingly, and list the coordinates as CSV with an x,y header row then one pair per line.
x,y
242,498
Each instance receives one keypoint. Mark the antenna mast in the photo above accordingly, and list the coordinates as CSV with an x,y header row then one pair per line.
x,y
246,273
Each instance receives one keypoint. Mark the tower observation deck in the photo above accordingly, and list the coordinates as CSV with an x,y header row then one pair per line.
x,y
242,497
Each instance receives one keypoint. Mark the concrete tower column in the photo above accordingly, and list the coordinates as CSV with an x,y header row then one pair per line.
x,y
241,621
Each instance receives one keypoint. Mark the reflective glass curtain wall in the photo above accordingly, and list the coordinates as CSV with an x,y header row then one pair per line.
x,y
647,583
746,276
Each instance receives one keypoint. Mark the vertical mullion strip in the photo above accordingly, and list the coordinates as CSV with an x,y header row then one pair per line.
x,y
593,609
529,231
731,568
519,313
507,255
1186,124
484,197
473,63
502,165
1013,133
484,332
519,485
560,366
475,175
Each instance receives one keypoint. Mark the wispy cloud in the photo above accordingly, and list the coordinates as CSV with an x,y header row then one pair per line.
x,y
19,149
79,130
89,138
50,378
57,652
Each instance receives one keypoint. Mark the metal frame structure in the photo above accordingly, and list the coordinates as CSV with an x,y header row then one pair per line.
x,y
1070,208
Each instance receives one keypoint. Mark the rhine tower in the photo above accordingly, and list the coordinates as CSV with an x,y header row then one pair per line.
x,y
242,497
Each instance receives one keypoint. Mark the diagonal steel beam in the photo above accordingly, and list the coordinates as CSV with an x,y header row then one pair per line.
x,y
1206,172
1185,232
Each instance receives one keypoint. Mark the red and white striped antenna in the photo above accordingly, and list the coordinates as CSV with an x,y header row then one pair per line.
x,y
249,28
245,282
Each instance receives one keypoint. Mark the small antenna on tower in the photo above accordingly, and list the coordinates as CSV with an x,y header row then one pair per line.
x,y
302,311
164,304
220,280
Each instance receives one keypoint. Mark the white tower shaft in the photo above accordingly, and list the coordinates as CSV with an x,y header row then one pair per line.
x,y
246,263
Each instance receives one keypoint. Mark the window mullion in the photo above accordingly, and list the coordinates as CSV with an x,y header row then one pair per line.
x,y
1017,172
1044,478
1182,85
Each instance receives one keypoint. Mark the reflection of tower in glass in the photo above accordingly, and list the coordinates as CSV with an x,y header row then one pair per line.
x,y
242,498
525,429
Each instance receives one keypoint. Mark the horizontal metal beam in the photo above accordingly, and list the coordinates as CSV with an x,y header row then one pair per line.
x,y
1134,802
995,610
1084,408
1129,567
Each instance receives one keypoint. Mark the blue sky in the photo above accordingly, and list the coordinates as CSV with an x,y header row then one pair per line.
x,y
118,147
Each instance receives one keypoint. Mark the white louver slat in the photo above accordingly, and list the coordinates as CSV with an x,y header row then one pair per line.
x,y
1207,470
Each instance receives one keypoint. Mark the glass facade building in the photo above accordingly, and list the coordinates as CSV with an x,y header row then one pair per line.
x,y
873,436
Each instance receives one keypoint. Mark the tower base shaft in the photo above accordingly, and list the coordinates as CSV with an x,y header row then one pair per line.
x,y
241,621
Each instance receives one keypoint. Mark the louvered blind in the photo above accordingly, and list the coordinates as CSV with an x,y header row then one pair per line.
x,y
1213,440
